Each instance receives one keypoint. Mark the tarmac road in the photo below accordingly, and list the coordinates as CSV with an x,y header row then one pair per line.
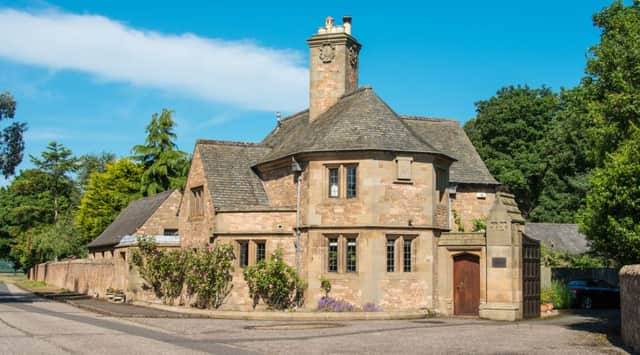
x,y
31,325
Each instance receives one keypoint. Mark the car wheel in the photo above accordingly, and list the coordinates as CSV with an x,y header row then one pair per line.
x,y
586,302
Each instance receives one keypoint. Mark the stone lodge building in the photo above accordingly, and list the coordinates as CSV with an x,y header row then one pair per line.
x,y
354,192
153,216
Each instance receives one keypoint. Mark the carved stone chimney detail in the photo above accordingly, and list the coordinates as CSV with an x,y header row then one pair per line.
x,y
333,56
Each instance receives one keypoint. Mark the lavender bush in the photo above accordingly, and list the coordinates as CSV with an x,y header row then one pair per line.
x,y
330,304
370,307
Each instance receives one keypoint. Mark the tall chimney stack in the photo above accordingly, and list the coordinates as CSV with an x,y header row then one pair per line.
x,y
333,59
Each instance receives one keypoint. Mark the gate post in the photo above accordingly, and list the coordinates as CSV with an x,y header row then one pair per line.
x,y
505,225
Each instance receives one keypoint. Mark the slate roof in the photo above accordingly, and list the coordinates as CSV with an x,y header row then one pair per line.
x,y
130,219
563,237
227,166
449,137
358,121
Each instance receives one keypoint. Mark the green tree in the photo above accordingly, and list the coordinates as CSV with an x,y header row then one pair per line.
x,y
613,79
58,162
611,219
165,166
91,163
568,166
51,242
106,195
509,131
26,205
11,140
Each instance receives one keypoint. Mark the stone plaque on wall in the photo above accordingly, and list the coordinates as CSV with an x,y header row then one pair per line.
x,y
499,262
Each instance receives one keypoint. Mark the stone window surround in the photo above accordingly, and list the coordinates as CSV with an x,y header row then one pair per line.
x,y
399,253
253,250
342,180
342,253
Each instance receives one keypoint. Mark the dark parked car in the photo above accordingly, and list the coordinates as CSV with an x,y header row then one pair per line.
x,y
587,294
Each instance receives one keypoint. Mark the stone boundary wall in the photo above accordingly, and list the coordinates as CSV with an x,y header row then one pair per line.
x,y
629,309
92,277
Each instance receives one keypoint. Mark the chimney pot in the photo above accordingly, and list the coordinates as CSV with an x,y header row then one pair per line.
x,y
346,22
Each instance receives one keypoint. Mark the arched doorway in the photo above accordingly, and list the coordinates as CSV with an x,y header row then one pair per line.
x,y
466,284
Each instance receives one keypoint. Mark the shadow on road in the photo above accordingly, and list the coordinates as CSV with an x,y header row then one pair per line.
x,y
8,297
605,322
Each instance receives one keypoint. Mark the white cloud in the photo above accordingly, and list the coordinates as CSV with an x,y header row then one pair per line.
x,y
239,73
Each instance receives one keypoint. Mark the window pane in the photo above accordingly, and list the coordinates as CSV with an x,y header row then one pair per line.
x,y
407,255
351,181
391,255
170,232
244,253
333,255
334,181
260,251
351,255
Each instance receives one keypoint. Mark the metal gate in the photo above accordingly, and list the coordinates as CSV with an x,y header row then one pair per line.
x,y
530,277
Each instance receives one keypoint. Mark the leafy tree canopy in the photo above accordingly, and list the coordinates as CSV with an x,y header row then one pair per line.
x,y
611,218
165,166
58,163
106,195
11,140
509,132
92,163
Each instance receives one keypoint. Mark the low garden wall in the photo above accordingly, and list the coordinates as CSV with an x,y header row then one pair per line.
x,y
629,305
92,277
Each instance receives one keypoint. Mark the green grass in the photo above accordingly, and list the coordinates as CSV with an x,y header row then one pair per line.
x,y
558,294
31,284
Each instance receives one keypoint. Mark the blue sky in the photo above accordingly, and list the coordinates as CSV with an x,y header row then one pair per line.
x,y
89,74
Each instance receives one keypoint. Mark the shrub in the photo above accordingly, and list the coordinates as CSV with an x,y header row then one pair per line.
x,y
325,285
206,273
330,304
370,307
479,225
276,283
558,295
164,271
209,275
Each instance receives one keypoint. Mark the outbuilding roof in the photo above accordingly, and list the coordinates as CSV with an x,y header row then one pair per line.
x,y
563,237
130,219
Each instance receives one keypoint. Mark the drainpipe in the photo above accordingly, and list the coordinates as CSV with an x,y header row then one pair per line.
x,y
298,246
297,169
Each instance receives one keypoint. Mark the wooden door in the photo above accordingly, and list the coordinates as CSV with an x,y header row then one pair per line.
x,y
466,285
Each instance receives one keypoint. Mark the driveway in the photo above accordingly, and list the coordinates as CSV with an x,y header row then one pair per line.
x,y
29,324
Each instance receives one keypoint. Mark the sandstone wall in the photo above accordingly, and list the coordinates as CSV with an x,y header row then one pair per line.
x,y
280,186
92,277
469,205
255,222
629,305
165,217
381,199
195,231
